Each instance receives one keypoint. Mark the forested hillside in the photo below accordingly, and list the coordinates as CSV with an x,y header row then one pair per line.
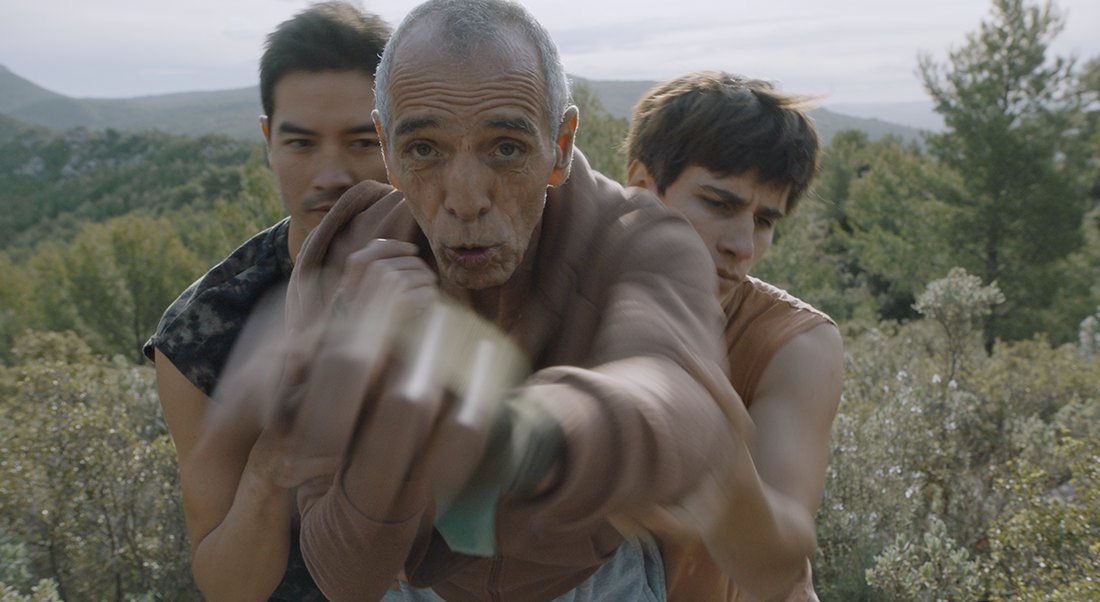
x,y
52,183
964,273
234,112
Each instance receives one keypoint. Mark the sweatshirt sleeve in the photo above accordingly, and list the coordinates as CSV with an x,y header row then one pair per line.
x,y
645,422
350,555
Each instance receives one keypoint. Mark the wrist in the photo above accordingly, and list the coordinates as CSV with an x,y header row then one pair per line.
x,y
536,442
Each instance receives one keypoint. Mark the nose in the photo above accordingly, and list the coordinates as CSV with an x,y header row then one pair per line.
x,y
737,239
467,193
334,172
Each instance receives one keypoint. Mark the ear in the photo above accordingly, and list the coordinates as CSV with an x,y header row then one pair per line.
x,y
563,146
265,127
637,174
378,129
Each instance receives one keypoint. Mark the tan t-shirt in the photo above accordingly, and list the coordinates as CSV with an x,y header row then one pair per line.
x,y
760,319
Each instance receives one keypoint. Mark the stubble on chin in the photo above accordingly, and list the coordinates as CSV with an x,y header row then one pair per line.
x,y
495,274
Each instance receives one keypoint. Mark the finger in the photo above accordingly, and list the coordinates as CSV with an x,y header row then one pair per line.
x,y
396,430
347,363
459,440
393,274
357,264
385,454
249,386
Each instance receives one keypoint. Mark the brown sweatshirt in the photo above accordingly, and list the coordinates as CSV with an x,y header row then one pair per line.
x,y
620,322
760,319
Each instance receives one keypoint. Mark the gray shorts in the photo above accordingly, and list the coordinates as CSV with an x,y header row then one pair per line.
x,y
635,573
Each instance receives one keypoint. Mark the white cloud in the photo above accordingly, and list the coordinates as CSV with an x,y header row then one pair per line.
x,y
855,50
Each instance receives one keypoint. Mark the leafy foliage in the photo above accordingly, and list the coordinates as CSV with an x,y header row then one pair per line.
x,y
999,456
1010,112
51,183
94,500
600,135
111,282
958,303
1010,192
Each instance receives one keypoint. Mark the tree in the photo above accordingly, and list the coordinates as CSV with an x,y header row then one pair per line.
x,y
121,275
957,303
1009,110
894,218
15,296
91,494
600,135
810,255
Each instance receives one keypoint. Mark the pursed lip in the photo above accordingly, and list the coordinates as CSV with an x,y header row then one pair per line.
x,y
470,256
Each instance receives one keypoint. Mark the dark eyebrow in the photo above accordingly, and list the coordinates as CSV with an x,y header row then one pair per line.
x,y
725,195
287,127
518,124
735,199
366,128
415,123
772,214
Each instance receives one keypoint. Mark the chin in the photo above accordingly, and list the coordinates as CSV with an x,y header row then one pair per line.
x,y
487,277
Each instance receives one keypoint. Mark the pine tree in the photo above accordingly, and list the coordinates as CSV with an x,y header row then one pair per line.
x,y
1010,108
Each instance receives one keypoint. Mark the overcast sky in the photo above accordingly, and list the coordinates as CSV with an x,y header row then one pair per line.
x,y
848,51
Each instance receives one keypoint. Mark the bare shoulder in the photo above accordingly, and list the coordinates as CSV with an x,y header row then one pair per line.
x,y
183,403
794,408
812,361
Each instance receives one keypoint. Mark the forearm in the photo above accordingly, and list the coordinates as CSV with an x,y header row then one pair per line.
x,y
245,556
763,538
625,445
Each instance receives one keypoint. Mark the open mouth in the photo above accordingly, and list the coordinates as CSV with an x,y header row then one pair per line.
x,y
470,256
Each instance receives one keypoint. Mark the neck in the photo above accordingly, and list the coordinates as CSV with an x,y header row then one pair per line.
x,y
733,298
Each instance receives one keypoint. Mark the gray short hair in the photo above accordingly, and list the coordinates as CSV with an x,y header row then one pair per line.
x,y
464,25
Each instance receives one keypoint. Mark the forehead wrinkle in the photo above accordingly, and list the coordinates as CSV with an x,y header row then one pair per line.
x,y
411,124
518,86
427,87
447,102
519,125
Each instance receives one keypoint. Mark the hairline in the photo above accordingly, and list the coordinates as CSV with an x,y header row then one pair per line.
x,y
517,18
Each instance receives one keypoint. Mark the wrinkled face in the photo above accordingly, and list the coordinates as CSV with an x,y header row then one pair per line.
x,y
734,215
321,141
469,144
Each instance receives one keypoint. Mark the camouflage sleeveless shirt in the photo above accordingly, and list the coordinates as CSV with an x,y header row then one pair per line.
x,y
198,330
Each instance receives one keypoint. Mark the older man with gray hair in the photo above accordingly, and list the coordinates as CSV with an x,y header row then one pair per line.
x,y
603,292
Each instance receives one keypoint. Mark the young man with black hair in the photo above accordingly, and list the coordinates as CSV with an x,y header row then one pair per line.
x,y
317,92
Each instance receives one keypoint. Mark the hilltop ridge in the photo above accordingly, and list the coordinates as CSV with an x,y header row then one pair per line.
x,y
234,112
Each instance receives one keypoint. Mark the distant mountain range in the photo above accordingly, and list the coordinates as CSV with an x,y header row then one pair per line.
x,y
234,112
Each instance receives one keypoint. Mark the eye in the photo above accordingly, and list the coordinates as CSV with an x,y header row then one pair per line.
x,y
716,204
421,150
764,222
509,149
298,142
365,143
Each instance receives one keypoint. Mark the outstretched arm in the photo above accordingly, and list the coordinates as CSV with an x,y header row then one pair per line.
x,y
768,532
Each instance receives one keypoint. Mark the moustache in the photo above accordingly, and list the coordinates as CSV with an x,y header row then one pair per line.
x,y
323,199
